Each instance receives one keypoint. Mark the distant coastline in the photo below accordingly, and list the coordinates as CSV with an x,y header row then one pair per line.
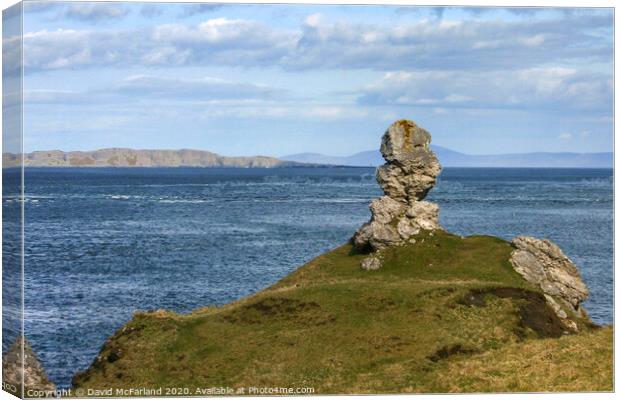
x,y
122,157
131,158
451,158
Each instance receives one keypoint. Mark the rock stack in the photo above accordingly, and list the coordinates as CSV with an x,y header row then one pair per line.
x,y
409,173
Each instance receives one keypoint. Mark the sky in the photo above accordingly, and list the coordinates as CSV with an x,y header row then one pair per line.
x,y
284,79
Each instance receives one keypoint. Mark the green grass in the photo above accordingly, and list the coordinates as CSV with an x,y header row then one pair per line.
x,y
406,327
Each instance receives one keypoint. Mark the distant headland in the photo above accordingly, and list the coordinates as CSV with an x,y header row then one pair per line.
x,y
120,157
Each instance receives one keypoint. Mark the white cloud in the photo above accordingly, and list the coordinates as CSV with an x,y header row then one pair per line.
x,y
314,20
565,136
439,64
321,43
219,41
543,88
533,41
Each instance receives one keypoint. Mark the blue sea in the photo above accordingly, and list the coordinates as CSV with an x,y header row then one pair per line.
x,y
103,243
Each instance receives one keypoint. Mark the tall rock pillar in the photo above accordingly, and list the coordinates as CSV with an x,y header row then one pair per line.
x,y
410,172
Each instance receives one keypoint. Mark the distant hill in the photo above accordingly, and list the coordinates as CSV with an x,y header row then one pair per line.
x,y
120,157
117,157
451,158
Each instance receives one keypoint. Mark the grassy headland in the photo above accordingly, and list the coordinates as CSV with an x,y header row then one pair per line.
x,y
447,314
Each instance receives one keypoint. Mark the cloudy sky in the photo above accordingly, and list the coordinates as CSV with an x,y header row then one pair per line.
x,y
282,79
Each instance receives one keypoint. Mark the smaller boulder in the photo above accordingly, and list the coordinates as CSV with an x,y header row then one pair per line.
x,y
371,263
542,263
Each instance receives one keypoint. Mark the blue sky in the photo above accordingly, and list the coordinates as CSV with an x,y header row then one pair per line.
x,y
283,79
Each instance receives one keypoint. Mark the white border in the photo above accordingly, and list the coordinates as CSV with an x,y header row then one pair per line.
x,y
480,3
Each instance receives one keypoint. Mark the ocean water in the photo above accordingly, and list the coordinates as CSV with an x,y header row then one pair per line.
x,y
103,243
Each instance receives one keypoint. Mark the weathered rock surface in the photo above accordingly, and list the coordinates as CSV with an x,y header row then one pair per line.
x,y
412,167
371,263
13,365
410,171
543,264
380,232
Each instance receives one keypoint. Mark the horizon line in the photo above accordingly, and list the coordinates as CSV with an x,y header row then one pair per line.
x,y
298,153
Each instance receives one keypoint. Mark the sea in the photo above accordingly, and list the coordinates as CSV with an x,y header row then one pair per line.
x,y
102,243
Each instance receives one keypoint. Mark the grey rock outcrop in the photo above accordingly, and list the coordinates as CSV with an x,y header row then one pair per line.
x,y
34,376
410,172
371,263
412,167
543,264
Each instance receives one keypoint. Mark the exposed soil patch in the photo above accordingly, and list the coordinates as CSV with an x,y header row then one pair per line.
x,y
280,308
534,312
450,350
